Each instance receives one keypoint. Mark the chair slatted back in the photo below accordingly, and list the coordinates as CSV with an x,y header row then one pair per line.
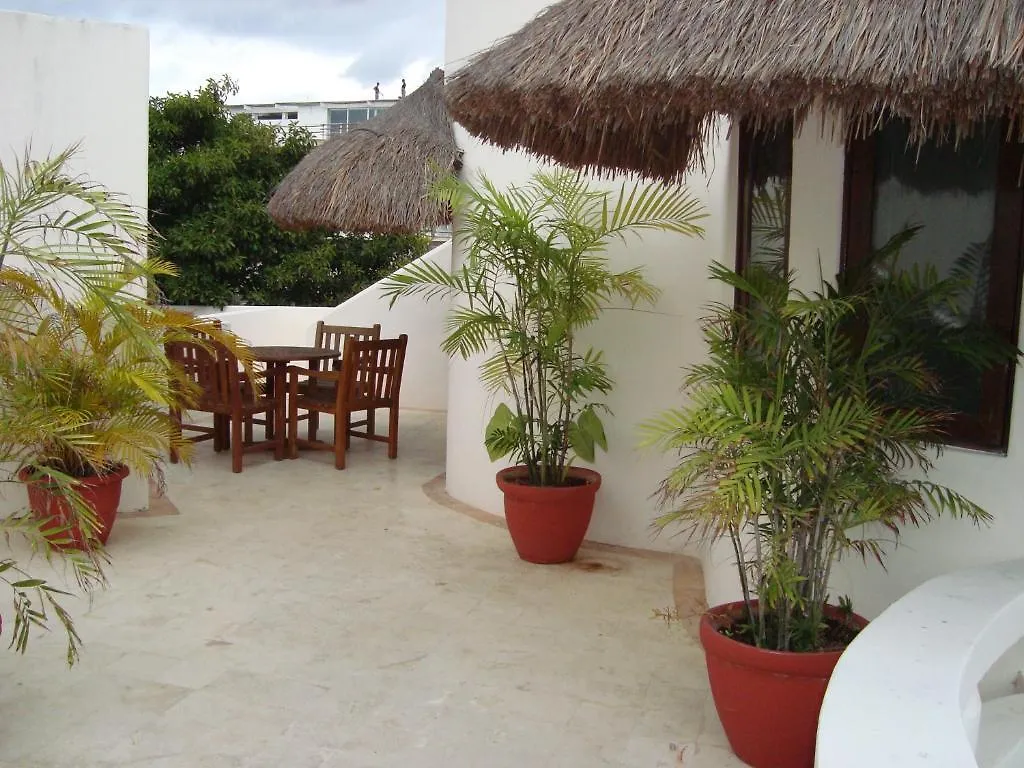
x,y
372,373
211,367
335,336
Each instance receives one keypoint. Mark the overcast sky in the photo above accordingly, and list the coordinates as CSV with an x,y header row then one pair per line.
x,y
277,50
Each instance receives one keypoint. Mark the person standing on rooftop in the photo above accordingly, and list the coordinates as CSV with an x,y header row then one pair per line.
x,y
376,92
403,89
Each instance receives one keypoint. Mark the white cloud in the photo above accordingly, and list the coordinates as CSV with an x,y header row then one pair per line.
x,y
266,70
301,50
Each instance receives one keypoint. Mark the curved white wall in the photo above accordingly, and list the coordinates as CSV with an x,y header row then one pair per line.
x,y
905,692
646,350
64,81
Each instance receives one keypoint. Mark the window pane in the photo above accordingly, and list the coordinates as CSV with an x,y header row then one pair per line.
x,y
950,192
357,116
767,166
337,116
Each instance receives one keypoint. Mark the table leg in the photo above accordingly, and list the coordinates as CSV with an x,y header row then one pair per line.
x,y
314,416
271,387
280,378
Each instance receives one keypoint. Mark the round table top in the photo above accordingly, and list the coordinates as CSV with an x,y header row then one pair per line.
x,y
283,354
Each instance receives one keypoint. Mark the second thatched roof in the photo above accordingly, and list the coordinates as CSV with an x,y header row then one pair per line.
x,y
375,178
634,84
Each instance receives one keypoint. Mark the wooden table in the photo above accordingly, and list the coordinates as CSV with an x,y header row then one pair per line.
x,y
277,359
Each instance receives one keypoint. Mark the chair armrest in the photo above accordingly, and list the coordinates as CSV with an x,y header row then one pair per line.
x,y
295,371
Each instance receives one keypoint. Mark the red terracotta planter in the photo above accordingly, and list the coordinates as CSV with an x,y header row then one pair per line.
x,y
768,701
102,494
547,524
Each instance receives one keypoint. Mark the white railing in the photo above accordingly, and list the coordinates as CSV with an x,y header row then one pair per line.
x,y
905,693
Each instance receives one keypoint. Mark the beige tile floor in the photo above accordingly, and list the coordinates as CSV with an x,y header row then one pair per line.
x,y
294,616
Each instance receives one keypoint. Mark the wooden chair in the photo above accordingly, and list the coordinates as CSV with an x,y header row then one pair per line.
x,y
370,378
224,392
334,337
220,431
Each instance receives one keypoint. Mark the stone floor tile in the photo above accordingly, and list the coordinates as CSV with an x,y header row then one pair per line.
x,y
301,617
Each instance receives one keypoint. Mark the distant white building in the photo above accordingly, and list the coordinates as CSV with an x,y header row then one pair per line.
x,y
323,119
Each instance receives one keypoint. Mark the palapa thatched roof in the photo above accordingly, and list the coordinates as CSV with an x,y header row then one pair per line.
x,y
375,178
630,84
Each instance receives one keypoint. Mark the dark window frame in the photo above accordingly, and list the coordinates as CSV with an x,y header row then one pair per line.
x,y
748,144
989,431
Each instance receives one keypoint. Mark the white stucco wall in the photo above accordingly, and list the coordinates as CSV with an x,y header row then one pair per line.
x,y
425,377
648,350
64,81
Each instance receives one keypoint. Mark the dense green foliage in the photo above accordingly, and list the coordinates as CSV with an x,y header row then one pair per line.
x,y
811,428
210,177
535,274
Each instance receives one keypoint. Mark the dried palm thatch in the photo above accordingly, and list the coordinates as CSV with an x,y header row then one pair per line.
x,y
375,178
633,84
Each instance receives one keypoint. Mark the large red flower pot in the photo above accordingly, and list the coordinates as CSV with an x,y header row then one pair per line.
x,y
547,524
102,493
768,701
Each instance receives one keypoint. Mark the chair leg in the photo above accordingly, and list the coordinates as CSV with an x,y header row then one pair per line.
x,y
314,425
393,433
348,427
221,438
176,433
340,440
370,428
236,442
248,430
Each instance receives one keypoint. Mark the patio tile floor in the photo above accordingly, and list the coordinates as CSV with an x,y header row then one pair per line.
x,y
295,616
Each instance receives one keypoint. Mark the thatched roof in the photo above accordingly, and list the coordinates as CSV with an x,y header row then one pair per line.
x,y
375,178
627,84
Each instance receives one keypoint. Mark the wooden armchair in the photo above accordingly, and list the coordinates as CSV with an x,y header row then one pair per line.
x,y
334,337
226,394
370,378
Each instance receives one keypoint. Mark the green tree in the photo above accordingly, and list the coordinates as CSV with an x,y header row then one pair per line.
x,y
210,176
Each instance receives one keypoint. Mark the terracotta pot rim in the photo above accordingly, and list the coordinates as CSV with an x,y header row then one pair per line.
x,y
736,651
591,477
120,473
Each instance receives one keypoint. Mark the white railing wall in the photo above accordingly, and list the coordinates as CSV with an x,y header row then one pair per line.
x,y
425,379
906,691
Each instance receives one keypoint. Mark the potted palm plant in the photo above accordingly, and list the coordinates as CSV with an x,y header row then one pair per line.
x,y
89,362
84,382
810,429
106,388
535,273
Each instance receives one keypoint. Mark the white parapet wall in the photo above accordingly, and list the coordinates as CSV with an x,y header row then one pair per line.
x,y
425,379
65,81
906,691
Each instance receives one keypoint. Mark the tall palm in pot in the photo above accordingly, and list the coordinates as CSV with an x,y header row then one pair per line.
x,y
809,433
535,273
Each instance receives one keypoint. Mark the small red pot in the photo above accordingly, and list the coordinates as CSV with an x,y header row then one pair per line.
x,y
102,493
768,701
547,524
